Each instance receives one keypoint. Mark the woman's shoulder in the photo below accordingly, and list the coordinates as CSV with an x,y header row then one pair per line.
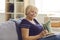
x,y
24,24
23,21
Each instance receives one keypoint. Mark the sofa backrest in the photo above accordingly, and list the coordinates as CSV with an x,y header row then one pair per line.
x,y
8,31
17,22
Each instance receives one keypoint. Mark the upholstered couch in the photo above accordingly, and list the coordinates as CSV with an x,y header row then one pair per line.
x,y
8,30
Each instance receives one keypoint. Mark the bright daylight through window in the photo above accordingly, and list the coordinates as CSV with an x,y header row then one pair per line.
x,y
2,6
48,7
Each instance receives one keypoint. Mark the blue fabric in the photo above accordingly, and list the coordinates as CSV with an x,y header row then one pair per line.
x,y
25,24
18,29
34,29
54,37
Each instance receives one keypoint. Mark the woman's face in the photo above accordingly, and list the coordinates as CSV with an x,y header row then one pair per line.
x,y
32,14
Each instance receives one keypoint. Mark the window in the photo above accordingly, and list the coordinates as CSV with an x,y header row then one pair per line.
x,y
2,6
48,7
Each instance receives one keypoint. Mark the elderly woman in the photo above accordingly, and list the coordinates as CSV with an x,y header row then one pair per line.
x,y
31,29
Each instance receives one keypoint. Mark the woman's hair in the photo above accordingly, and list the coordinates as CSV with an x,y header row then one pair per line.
x,y
30,8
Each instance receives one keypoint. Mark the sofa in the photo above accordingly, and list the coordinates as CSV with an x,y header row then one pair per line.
x,y
8,29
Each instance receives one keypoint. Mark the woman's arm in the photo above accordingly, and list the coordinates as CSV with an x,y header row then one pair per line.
x,y
25,34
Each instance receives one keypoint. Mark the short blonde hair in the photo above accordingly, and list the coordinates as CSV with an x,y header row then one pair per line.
x,y
30,8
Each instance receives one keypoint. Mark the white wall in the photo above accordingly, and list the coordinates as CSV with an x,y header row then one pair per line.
x,y
2,17
40,18
32,2
2,6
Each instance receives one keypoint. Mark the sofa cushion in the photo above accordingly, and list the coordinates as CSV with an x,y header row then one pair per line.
x,y
8,31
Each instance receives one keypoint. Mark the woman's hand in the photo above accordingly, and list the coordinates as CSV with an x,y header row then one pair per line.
x,y
47,33
44,33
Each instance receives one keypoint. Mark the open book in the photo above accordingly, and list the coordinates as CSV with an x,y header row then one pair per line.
x,y
49,35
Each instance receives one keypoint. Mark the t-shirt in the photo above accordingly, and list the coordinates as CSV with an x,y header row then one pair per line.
x,y
34,29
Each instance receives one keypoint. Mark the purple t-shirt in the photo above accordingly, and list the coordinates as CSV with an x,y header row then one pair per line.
x,y
34,29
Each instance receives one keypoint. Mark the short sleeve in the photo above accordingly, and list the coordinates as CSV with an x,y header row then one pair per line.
x,y
24,26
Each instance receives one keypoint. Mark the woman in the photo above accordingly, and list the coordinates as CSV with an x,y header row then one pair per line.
x,y
31,29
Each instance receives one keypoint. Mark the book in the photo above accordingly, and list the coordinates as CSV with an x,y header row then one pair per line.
x,y
11,7
49,35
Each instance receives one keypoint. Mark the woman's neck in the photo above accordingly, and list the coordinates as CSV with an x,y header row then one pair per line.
x,y
30,19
